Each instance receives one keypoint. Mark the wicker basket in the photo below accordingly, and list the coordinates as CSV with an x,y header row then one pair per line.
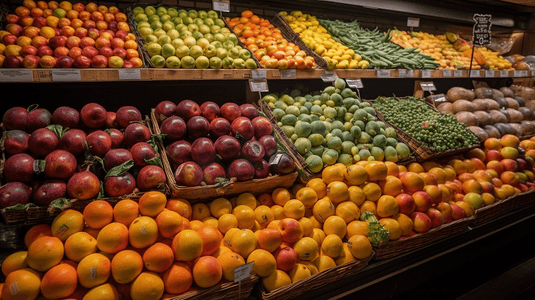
x,y
525,199
231,187
394,248
490,212
314,282
227,290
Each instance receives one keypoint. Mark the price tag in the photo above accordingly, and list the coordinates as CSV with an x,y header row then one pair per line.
x,y
404,73
446,73
383,73
439,98
243,272
288,74
504,73
517,73
355,83
428,86
16,75
413,22
482,31
221,5
524,73
129,74
474,73
259,85
457,73
329,77
426,73
259,74
66,75
489,73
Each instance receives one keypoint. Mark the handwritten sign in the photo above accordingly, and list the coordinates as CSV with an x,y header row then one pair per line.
x,y
383,73
446,73
482,32
66,75
426,73
403,73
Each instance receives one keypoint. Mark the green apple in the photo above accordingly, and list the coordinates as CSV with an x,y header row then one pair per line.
x,y
212,14
216,62
59,12
224,30
202,62
187,20
168,25
172,12
222,53
177,42
150,38
250,64
245,54
238,63
221,23
153,49
203,42
233,38
184,34
143,24
165,18
215,29
141,17
196,51
156,24
159,32
182,13
228,62
210,51
217,44
209,37
177,20
138,10
190,41
161,10
173,33
193,27
153,18
204,29
188,62
172,62
198,21
181,27
192,13
220,37
228,44
164,39
197,35
150,10
202,14
145,31
182,51
168,50
234,52
157,61
208,21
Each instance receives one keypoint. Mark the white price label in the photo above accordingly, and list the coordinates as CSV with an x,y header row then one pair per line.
x,y
504,73
129,74
413,22
355,83
259,74
457,73
383,73
428,86
223,6
403,73
16,75
525,73
489,73
517,73
66,75
329,77
243,272
259,86
288,74
446,73
474,73
426,73
439,98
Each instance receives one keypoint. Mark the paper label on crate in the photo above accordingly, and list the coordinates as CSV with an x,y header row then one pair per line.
x,y
129,74
439,98
457,73
243,272
489,73
474,73
426,73
259,74
329,77
413,22
221,5
259,85
525,73
404,73
446,73
66,75
355,83
383,73
288,74
517,73
504,73
15,75
428,86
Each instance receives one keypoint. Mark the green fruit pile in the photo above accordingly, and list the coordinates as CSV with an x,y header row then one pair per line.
x,y
438,131
176,38
333,126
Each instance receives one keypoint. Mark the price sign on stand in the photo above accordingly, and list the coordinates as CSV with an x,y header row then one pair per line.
x,y
457,73
482,31
504,73
221,5
329,77
439,98
474,73
355,83
243,272
413,22
428,86
489,73
258,85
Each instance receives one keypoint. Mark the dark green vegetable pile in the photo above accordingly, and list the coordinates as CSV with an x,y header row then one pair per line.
x,y
433,129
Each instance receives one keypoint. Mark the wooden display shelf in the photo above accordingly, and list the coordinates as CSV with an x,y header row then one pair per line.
x,y
150,74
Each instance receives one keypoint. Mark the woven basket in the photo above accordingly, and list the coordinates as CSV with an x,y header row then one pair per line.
x,y
314,282
231,187
525,199
490,212
227,290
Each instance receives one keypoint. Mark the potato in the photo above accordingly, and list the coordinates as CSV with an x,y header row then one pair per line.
x,y
483,118
512,103
446,108
483,92
468,118
463,105
481,104
457,93
481,134
493,105
497,116
492,131
515,116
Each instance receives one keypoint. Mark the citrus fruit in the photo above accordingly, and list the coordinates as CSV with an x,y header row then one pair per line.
x,y
360,246
80,245
15,261
158,257
36,232
125,211
207,271
143,232
103,291
113,238
67,223
44,253
21,284
276,280
332,245
59,282
126,265
98,214
93,270
177,279
306,248
147,286
229,261
152,203
264,262
169,223
187,245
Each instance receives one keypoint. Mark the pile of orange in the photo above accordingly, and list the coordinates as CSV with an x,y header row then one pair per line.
x,y
267,43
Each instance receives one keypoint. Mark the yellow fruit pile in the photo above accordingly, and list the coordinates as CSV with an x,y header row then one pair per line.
x,y
320,41
494,60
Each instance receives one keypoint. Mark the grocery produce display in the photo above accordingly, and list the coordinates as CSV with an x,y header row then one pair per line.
x,y
65,35
268,44
333,125
179,38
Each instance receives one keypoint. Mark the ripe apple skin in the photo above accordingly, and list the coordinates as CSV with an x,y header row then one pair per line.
x,y
286,258
291,230
210,110
93,115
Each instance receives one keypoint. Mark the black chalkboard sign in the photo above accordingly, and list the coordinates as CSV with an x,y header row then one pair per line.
x,y
482,30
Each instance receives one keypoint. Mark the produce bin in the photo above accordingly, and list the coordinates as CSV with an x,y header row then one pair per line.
x,y
490,212
227,290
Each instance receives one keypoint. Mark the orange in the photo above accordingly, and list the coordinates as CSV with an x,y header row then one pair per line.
x,y
439,173
458,166
264,215
307,196
391,186
332,246
393,169
187,245
307,225
307,249
372,191
200,211
207,271
93,270
294,209
264,262
337,191
245,216
319,186
281,196
387,206
169,223
247,14
348,211
125,211
80,245
278,212
196,224
211,222
143,232
510,140
92,232
181,206
113,238
67,223
98,214
323,209
376,170
147,286
357,227
126,265
229,261
393,227
412,182
152,203
405,223
59,282
36,232
15,261
360,246
368,206
415,167
356,195
103,291
226,222
335,225
21,284
158,257
332,173
211,238
177,279
44,253
276,280
345,257
243,242
265,199
219,207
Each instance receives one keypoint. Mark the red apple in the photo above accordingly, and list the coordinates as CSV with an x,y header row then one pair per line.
x,y
93,115
82,61
269,143
262,126
242,128
241,169
213,173
61,51
189,174
227,147
290,229
203,151
230,111
197,126
406,203
73,140
219,127
99,61
249,111
65,62
210,110
30,61
186,109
